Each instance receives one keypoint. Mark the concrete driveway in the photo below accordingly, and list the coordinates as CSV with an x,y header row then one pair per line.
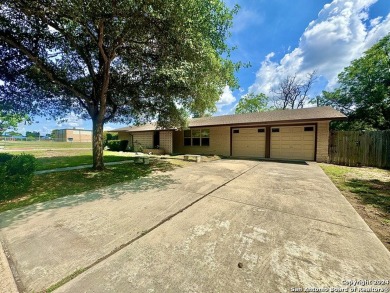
x,y
222,226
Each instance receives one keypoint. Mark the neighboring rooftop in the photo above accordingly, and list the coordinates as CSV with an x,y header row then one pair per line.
x,y
276,116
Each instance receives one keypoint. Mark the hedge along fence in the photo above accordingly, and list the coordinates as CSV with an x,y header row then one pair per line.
x,y
16,173
360,148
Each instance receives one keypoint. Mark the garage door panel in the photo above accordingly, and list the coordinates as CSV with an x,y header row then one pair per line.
x,y
250,138
293,142
248,142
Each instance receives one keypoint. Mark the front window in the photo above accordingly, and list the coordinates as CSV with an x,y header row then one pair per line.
x,y
197,137
205,134
187,137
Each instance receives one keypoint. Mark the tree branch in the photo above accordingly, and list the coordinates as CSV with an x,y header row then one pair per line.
x,y
41,65
100,41
79,50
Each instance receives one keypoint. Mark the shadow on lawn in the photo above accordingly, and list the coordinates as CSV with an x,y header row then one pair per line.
x,y
46,163
115,192
375,192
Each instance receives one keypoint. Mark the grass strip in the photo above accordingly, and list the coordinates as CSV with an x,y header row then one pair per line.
x,y
370,185
46,187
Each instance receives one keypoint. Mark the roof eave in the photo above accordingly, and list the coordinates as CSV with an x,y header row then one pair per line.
x,y
271,122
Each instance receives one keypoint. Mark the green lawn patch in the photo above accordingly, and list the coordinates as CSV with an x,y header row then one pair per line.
x,y
47,163
45,144
371,185
50,186
53,159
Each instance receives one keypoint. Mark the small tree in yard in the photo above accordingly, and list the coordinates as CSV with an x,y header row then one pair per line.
x,y
114,60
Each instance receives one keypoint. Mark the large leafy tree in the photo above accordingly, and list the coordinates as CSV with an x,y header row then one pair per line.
x,y
251,103
364,90
114,60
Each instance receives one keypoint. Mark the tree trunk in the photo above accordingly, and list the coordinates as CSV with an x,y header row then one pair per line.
x,y
97,144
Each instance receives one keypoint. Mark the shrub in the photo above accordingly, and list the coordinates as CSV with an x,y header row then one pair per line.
x,y
123,145
117,145
16,173
4,157
107,136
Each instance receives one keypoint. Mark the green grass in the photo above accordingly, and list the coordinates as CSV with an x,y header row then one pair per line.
x,y
53,159
370,185
46,163
50,186
43,144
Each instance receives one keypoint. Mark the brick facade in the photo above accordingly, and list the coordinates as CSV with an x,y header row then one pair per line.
x,y
322,141
166,141
220,139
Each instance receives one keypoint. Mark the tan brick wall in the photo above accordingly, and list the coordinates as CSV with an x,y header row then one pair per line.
x,y
219,142
79,135
72,135
166,141
143,138
322,141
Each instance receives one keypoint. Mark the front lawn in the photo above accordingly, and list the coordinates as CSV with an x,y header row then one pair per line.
x,y
45,144
52,159
50,186
368,191
46,163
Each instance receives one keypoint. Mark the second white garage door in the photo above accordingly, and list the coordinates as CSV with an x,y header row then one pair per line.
x,y
293,142
248,142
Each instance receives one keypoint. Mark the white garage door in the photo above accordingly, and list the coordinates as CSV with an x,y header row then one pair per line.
x,y
248,142
293,142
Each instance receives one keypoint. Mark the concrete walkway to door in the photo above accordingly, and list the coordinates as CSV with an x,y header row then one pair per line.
x,y
223,226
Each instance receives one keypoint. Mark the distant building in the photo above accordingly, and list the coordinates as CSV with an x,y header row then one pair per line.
x,y
72,135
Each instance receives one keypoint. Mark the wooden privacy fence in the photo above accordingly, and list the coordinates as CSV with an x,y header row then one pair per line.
x,y
360,148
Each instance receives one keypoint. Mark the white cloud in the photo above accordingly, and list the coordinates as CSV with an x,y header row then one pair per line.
x,y
340,34
246,18
226,98
108,128
70,121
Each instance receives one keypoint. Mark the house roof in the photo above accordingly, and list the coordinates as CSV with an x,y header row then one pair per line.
x,y
276,116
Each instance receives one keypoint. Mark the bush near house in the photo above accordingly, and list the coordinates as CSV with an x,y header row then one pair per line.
x,y
16,173
117,145
107,136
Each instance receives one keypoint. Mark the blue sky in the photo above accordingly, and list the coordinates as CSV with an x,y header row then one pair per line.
x,y
283,37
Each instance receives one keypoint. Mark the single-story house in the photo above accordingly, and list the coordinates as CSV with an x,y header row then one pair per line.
x,y
300,134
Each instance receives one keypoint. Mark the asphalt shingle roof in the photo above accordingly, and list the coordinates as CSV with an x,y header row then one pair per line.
x,y
276,116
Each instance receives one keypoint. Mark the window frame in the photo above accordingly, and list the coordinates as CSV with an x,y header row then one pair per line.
x,y
199,137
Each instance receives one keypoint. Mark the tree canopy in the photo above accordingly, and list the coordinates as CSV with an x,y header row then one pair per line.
x,y
364,90
121,61
252,103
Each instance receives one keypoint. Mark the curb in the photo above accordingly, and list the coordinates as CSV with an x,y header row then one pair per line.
x,y
7,281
